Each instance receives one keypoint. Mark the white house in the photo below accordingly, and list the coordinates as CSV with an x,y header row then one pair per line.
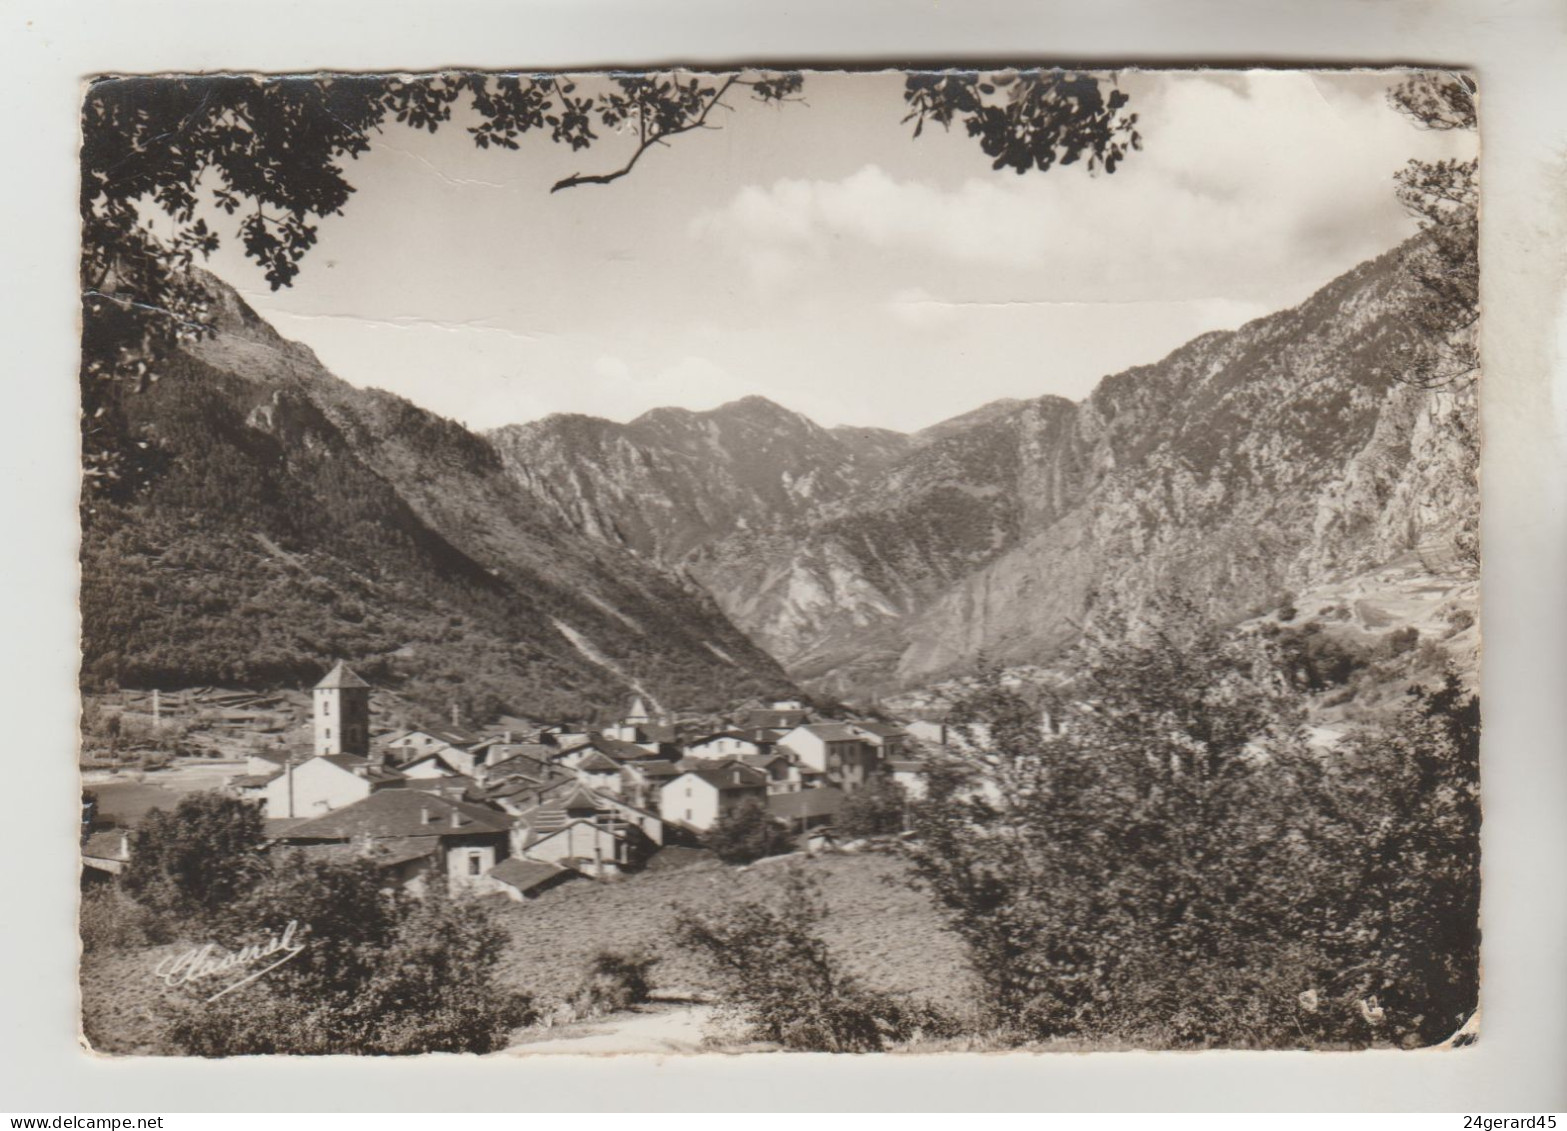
x,y
836,750
324,783
699,798
887,741
724,745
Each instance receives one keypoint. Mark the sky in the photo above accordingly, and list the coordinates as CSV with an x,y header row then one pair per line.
x,y
819,255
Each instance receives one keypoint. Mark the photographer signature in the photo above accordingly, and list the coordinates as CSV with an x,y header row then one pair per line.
x,y
211,961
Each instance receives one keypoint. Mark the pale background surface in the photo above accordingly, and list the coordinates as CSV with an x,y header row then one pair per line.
x,y
1516,49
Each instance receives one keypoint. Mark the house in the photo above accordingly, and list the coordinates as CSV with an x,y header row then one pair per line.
x,y
341,705
598,771
782,714
642,782
889,742
455,786
520,879
432,765
724,745
783,775
698,798
594,848
835,750
325,782
251,787
807,809
587,831
104,855
418,836
523,760
411,745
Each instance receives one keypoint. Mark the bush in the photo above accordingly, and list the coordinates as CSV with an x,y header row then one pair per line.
x,y
614,983
1182,868
747,834
780,980
876,810
377,972
108,919
197,859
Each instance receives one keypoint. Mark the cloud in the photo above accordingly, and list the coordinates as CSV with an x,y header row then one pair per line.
x,y
1240,192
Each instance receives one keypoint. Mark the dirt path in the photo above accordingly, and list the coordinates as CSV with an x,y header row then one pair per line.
x,y
673,1029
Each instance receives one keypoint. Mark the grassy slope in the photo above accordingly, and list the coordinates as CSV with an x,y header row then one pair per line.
x,y
890,936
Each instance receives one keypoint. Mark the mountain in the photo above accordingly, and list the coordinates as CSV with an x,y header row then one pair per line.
x,y
1243,468
705,557
298,520
672,480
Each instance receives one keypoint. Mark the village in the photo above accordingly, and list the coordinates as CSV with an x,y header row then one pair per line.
x,y
516,813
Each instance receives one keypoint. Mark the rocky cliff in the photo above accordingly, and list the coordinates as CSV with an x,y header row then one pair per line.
x,y
1245,466
297,520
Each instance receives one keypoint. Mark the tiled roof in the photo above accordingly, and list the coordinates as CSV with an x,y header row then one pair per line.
x,y
274,827
400,812
805,803
106,844
761,761
832,732
656,768
599,763
525,875
882,730
453,783
617,748
731,775
340,676
386,852
254,781
734,735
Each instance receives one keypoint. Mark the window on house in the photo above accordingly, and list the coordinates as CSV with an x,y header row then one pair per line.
x,y
326,706
329,732
475,863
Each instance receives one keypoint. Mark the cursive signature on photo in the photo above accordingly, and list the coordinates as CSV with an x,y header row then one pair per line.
x,y
211,961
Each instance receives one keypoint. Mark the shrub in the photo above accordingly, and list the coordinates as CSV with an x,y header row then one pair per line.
x,y
1180,867
108,919
377,972
876,810
199,858
782,982
615,982
749,833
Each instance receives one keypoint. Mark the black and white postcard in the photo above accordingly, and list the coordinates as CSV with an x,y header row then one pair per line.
x,y
841,561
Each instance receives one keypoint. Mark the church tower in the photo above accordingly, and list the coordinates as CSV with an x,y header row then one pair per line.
x,y
342,710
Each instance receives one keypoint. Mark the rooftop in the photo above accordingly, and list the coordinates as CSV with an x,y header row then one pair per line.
x,y
340,677
525,875
399,813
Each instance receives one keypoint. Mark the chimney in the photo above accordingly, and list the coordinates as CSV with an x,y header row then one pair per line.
x,y
506,738
456,819
125,845
456,716
424,814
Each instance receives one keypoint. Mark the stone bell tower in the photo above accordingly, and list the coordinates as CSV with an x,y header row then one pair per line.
x,y
342,713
